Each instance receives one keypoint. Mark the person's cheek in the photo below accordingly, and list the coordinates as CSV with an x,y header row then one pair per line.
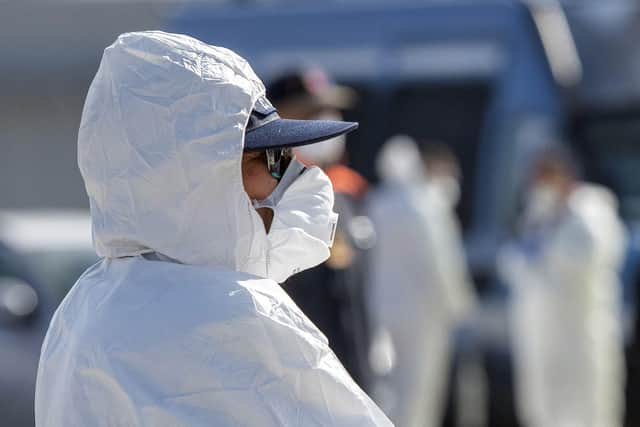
x,y
258,182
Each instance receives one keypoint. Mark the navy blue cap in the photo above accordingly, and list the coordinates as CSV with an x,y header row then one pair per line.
x,y
266,129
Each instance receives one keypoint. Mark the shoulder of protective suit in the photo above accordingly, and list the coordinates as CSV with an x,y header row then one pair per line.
x,y
594,206
593,197
187,294
595,223
141,305
170,344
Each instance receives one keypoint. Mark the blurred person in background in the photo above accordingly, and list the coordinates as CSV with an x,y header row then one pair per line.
x,y
565,313
443,170
198,211
419,287
331,293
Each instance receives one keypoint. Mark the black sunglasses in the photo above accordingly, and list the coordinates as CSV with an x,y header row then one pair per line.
x,y
278,160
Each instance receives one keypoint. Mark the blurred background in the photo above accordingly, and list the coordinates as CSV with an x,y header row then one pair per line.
x,y
490,100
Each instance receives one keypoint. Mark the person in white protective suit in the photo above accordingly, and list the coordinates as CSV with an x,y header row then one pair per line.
x,y
565,325
419,289
196,216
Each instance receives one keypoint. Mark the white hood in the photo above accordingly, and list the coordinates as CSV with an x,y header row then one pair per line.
x,y
160,148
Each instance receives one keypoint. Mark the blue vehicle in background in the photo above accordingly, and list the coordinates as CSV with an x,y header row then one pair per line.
x,y
495,80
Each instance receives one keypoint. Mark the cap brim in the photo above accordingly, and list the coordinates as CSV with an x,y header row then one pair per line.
x,y
292,133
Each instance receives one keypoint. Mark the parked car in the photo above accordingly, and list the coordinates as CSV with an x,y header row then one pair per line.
x,y
41,255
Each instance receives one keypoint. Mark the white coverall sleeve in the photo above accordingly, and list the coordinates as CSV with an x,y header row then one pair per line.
x,y
573,253
586,252
582,263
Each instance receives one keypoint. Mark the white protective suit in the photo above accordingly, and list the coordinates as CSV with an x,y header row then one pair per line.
x,y
419,289
565,324
177,325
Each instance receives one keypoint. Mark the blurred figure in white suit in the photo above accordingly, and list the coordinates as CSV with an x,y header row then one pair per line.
x,y
565,314
419,286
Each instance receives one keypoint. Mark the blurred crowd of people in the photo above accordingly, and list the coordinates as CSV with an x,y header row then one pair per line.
x,y
397,288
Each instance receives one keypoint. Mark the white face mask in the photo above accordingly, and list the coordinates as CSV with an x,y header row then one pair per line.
x,y
303,224
543,203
